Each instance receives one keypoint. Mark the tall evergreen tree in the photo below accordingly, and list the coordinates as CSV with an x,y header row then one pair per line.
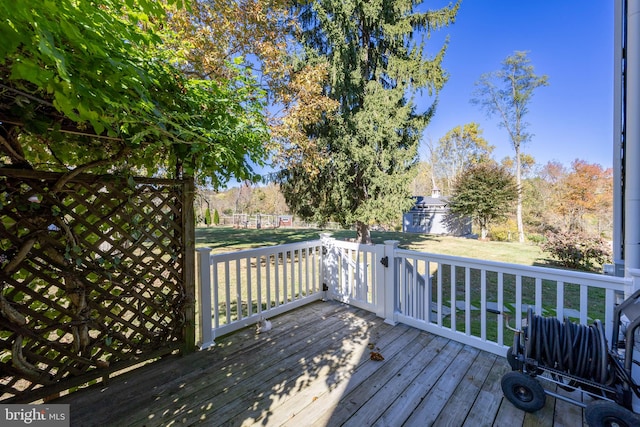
x,y
375,50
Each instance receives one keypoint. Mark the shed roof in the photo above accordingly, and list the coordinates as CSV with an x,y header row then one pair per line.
x,y
424,202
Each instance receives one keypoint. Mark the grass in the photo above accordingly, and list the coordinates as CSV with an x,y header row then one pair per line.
x,y
227,239
595,308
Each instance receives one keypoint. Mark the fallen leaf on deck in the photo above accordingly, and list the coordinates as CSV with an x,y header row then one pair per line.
x,y
376,356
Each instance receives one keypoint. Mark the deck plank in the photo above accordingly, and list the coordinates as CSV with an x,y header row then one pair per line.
x,y
257,380
154,392
567,414
314,369
368,375
334,367
366,403
325,404
415,392
486,406
459,404
508,415
433,403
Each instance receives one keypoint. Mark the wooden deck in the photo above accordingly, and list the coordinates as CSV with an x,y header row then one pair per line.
x,y
314,369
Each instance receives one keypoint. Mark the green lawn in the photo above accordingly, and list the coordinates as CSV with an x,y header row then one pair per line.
x,y
226,239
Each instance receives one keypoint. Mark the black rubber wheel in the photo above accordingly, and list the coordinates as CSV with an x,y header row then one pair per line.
x,y
523,391
603,413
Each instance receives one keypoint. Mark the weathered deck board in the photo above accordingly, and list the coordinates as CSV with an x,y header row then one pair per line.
x,y
459,404
485,406
314,369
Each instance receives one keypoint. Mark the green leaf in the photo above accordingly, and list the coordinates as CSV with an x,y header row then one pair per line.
x,y
27,69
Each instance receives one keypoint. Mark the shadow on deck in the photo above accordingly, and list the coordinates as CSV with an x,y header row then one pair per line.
x,y
314,368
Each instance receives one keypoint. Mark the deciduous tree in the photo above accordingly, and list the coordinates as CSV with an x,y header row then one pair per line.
x,y
462,147
507,93
94,87
225,39
485,192
586,189
366,152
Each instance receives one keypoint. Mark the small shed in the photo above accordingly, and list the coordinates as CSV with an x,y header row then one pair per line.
x,y
431,215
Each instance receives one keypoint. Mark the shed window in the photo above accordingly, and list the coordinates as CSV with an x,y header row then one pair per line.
x,y
419,220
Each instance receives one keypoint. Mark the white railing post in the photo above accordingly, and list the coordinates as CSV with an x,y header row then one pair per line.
x,y
389,288
204,279
329,266
380,277
634,285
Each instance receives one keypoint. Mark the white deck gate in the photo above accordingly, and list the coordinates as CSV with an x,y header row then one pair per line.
x,y
454,297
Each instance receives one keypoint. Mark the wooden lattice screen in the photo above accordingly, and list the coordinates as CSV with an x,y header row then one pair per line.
x,y
97,275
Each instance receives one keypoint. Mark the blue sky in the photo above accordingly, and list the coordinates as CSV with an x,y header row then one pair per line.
x,y
571,41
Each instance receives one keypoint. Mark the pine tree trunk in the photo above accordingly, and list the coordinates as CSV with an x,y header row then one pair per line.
x,y
363,235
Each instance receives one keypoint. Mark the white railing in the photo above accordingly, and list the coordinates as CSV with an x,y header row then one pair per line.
x,y
237,289
469,300
464,299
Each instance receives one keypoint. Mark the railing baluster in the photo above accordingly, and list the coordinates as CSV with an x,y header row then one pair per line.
x,y
287,276
277,278
415,289
314,273
356,275
306,271
249,287
227,288
518,301
238,291
428,290
216,296
267,268
259,283
439,295
351,274
560,300
365,277
584,289
292,263
501,307
454,311
402,302
483,305
467,300
610,300
538,286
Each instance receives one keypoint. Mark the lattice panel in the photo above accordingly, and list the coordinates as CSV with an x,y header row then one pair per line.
x,y
92,276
